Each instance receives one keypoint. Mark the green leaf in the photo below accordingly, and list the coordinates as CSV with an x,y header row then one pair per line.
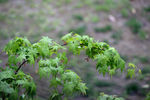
x,y
55,96
44,72
54,82
12,60
66,37
63,57
8,74
21,57
131,72
31,59
30,89
68,88
82,87
108,97
111,72
6,88
46,41
131,65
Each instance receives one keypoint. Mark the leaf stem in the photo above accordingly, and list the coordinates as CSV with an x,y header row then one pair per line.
x,y
64,44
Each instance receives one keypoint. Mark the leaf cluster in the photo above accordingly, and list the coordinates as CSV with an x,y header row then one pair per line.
x,y
108,97
108,59
16,86
52,63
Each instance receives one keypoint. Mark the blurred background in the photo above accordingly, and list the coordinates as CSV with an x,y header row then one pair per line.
x,y
124,24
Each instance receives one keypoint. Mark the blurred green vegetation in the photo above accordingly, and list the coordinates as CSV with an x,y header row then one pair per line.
x,y
95,19
135,25
133,88
142,59
79,29
124,57
147,9
146,70
3,1
104,29
107,5
117,36
125,12
78,17
148,96
142,34
104,83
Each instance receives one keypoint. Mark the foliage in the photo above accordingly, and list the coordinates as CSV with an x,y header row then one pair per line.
x,y
3,1
103,29
78,17
146,70
11,84
124,12
95,19
108,97
148,96
142,34
125,58
133,88
52,59
143,59
117,35
3,35
104,83
107,5
134,25
80,29
147,9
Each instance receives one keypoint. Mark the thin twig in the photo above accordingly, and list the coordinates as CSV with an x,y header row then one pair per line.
x,y
64,44
26,61
20,66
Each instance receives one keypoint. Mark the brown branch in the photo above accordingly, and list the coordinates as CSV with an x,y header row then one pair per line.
x,y
26,61
64,44
20,66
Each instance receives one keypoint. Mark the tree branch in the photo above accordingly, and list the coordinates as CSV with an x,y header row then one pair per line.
x,y
26,61
64,44
20,66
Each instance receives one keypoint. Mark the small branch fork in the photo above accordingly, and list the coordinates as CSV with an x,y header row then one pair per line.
x,y
64,44
26,61
20,66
